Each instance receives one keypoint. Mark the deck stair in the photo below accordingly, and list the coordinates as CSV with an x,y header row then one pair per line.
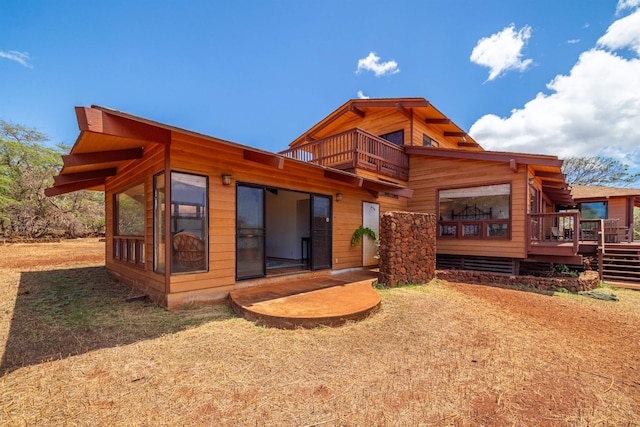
x,y
621,263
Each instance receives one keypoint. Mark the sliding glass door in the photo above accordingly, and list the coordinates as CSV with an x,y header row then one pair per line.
x,y
320,232
285,234
250,232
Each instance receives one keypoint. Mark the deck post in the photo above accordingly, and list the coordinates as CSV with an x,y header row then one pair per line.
x,y
601,249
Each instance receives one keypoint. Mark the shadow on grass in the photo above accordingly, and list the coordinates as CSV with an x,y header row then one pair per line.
x,y
61,313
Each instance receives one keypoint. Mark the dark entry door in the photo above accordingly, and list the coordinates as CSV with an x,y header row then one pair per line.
x,y
320,232
250,232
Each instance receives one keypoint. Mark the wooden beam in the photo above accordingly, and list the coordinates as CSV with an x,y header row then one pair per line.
x,y
356,111
513,164
468,144
388,188
390,103
456,134
551,175
98,121
97,157
75,186
554,184
437,121
407,113
349,179
374,193
272,160
83,176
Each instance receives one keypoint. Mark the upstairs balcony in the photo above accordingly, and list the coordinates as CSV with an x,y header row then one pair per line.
x,y
355,149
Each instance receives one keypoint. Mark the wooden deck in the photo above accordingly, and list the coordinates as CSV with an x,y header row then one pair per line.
x,y
328,300
621,264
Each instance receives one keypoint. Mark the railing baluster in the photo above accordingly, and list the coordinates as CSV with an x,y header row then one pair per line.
x,y
354,148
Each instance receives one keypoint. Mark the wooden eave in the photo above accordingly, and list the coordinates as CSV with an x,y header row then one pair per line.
x,y
556,189
417,109
551,176
584,192
491,156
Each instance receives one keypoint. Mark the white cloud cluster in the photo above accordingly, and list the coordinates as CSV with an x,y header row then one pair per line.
x,y
502,51
21,58
627,4
594,110
624,33
372,63
361,95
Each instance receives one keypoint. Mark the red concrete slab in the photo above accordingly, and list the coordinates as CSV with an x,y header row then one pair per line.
x,y
325,301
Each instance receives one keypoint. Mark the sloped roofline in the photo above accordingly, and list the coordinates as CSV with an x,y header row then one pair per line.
x,y
400,104
113,123
583,192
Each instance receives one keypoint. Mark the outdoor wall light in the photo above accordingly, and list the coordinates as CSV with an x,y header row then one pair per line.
x,y
532,181
226,179
338,197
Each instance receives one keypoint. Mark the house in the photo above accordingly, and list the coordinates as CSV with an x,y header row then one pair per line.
x,y
190,217
615,205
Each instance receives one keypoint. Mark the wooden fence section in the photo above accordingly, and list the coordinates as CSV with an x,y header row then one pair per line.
x,y
352,149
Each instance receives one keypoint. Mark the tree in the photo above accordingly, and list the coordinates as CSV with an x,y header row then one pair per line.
x,y
26,169
597,171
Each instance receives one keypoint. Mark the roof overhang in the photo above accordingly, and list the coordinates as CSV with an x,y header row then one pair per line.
x,y
548,168
412,108
109,140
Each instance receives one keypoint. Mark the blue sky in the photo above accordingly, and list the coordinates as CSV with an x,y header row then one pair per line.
x,y
550,77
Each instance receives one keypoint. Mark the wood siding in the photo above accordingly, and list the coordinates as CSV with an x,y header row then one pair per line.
x,y
617,208
202,156
430,174
134,173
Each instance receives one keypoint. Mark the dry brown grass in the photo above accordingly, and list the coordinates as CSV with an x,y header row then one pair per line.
x,y
445,354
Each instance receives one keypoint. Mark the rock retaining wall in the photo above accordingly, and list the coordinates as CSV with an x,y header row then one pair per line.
x,y
584,282
407,248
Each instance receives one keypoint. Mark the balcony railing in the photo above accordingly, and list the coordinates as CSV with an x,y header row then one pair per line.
x,y
353,149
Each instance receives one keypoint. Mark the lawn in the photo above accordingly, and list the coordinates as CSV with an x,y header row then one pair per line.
x,y
75,352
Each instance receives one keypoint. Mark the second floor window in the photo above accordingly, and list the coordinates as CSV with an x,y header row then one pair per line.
x,y
396,137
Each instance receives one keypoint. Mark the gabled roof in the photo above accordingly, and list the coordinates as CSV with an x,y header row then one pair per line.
x,y
585,192
110,139
416,108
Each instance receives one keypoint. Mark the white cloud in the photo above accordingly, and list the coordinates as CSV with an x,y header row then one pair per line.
x,y
594,110
361,95
573,41
372,63
502,51
625,32
21,58
627,4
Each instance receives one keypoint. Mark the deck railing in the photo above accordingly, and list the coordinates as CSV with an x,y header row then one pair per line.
x,y
352,149
555,228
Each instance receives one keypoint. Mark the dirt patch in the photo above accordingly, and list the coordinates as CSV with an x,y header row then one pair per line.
x,y
444,354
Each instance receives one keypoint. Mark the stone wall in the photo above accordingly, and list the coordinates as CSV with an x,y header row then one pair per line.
x,y
584,282
407,248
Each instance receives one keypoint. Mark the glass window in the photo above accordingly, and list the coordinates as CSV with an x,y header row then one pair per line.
x,y
593,210
428,142
476,203
129,209
396,137
189,222
159,243
475,212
